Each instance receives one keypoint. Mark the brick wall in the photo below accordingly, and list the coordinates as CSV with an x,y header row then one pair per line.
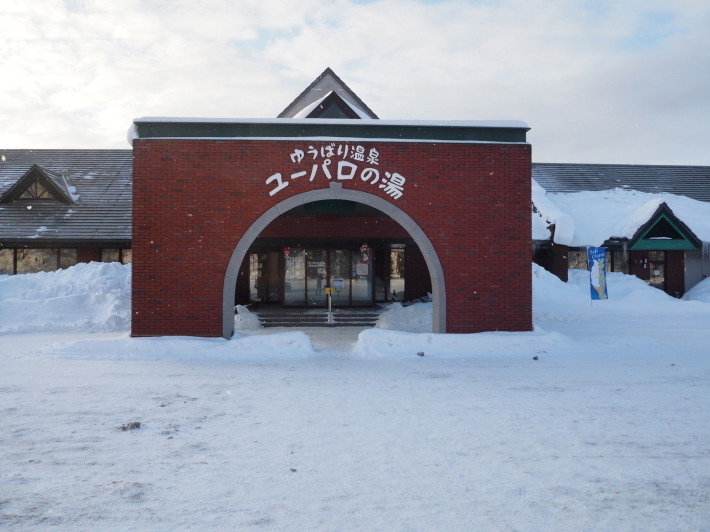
x,y
193,199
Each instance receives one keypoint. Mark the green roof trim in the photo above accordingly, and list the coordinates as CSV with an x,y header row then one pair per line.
x,y
313,128
684,242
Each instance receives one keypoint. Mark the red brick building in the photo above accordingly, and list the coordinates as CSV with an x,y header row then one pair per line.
x,y
279,210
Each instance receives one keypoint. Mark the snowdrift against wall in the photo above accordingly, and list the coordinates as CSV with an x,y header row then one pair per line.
x,y
87,297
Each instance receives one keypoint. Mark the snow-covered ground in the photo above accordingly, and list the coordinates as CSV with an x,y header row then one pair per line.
x,y
345,429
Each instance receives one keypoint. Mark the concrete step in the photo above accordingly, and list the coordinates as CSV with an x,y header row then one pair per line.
x,y
317,317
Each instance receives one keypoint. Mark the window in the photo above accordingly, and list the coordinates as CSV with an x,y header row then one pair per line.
x,y
126,256
620,262
110,255
67,258
7,261
396,287
577,260
36,191
36,260
657,269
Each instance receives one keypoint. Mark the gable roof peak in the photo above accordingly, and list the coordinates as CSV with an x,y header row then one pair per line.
x,y
327,82
54,182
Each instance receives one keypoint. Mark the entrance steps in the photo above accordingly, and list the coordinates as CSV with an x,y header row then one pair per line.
x,y
350,317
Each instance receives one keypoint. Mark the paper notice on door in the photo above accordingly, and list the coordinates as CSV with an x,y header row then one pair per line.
x,y
361,269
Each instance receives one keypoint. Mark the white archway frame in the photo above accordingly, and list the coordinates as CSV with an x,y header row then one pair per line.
x,y
336,191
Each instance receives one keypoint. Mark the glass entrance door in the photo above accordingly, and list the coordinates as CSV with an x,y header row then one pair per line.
x,y
361,279
295,278
316,277
308,272
339,276
657,269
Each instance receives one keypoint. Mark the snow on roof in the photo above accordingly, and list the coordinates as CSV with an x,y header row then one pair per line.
x,y
550,214
590,218
515,124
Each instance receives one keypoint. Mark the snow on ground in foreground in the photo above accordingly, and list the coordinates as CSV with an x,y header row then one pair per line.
x,y
87,297
607,430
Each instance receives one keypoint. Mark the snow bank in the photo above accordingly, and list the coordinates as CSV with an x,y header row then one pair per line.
x,y
280,346
700,292
554,300
87,297
414,318
96,298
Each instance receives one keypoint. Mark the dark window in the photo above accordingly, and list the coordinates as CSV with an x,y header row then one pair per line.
x,y
620,262
36,191
577,260
396,288
67,258
36,260
7,261
663,230
110,255
657,269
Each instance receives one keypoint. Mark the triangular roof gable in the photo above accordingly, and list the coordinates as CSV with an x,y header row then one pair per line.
x,y
332,105
326,82
53,181
683,238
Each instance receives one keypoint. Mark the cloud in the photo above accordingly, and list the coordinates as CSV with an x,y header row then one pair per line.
x,y
615,82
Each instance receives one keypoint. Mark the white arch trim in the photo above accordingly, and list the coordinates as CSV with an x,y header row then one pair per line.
x,y
336,191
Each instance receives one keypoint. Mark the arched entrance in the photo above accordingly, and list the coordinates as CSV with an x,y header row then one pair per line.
x,y
336,191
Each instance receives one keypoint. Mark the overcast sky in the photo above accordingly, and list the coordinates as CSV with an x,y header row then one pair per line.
x,y
597,81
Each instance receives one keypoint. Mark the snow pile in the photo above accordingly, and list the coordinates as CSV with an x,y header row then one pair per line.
x,y
245,320
414,318
554,300
87,297
96,298
244,347
700,292
559,301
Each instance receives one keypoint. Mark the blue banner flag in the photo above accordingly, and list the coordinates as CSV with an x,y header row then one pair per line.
x,y
597,272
